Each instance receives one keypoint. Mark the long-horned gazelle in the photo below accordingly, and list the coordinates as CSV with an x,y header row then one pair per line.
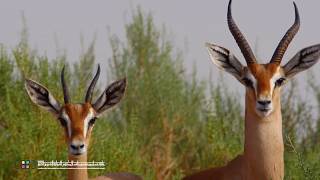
x,y
263,149
78,120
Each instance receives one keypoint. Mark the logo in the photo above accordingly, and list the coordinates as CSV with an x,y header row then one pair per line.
x,y
25,164
70,164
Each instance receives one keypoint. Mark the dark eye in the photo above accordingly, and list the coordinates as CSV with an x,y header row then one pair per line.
x,y
280,81
247,82
92,121
63,122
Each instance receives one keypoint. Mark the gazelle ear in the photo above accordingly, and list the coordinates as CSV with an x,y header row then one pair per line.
x,y
303,60
225,60
110,96
42,97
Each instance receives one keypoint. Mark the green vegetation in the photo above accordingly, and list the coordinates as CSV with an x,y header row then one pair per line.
x,y
168,125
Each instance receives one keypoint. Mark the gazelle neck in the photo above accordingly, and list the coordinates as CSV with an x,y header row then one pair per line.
x,y
78,174
263,148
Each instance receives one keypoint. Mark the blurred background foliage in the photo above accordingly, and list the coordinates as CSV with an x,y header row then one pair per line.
x,y
168,125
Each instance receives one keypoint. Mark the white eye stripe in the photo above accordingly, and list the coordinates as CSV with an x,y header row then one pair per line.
x,y
273,80
67,119
253,80
86,122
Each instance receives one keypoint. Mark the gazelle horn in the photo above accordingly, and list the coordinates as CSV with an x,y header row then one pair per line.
x,y
65,88
287,38
240,39
92,85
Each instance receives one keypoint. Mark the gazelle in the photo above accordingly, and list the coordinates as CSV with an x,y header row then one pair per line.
x,y
263,148
78,120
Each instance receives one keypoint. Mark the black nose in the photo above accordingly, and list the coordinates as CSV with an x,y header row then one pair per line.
x,y
77,147
264,103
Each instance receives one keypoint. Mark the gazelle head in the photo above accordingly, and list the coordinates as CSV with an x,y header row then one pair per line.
x,y
77,120
263,81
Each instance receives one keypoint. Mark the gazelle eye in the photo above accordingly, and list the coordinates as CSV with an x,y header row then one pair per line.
x,y
92,121
63,122
247,82
280,81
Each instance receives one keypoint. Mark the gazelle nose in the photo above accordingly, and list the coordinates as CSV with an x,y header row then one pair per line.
x,y
77,146
265,102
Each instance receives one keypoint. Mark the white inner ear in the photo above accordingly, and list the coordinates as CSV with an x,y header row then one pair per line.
x,y
67,119
53,102
225,60
86,122
50,104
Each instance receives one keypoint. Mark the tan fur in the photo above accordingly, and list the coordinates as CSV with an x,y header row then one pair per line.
x,y
78,119
77,113
263,149
263,73
79,174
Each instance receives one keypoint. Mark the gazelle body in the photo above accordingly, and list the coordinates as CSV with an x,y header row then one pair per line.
x,y
78,120
263,149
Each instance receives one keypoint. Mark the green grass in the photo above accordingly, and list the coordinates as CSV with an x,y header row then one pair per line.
x,y
169,124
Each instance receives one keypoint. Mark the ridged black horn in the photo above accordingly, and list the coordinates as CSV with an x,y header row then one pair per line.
x,y
240,39
65,88
92,85
287,38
